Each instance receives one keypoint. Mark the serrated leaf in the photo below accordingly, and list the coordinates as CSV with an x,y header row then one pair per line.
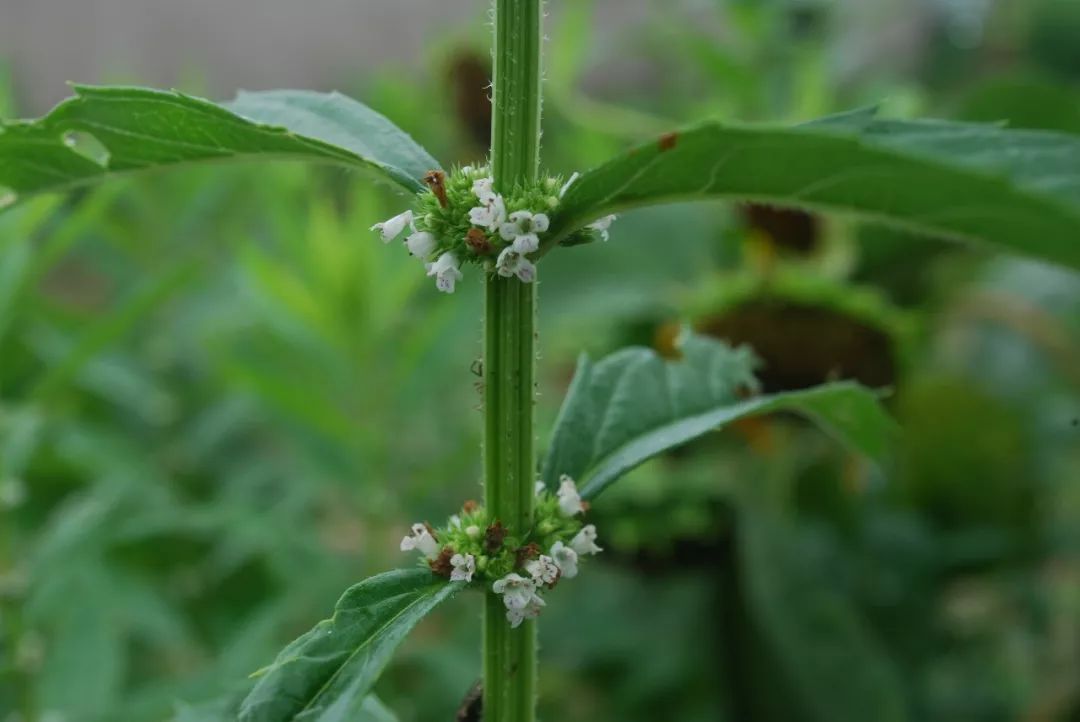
x,y
326,675
813,631
106,130
1018,189
634,404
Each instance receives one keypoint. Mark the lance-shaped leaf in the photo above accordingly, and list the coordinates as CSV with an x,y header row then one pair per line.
x,y
1018,189
327,674
106,130
633,405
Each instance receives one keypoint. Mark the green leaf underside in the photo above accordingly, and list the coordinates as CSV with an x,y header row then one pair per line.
x,y
634,405
143,129
326,674
1018,189
813,630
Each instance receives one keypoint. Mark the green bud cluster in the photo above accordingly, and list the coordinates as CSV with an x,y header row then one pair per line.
x,y
443,211
496,551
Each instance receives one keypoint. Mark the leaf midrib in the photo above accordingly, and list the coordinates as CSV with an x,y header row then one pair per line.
x,y
654,431
578,219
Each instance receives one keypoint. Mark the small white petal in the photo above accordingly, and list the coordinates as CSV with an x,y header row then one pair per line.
x,y
566,559
508,261
392,228
480,216
584,542
569,499
483,188
526,271
498,210
602,226
421,244
490,215
543,570
531,610
445,282
446,272
464,567
516,590
539,487
509,231
422,541
540,222
526,243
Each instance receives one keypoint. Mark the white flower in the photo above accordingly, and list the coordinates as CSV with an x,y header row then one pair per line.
x,y
517,591
455,521
484,189
539,488
543,570
392,228
529,611
568,183
523,229
602,225
526,271
446,271
585,541
507,261
422,541
421,244
569,499
472,531
512,263
464,567
565,559
491,213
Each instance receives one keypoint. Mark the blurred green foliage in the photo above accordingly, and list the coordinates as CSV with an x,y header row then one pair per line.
x,y
222,401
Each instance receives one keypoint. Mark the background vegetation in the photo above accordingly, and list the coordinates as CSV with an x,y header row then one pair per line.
x,y
222,401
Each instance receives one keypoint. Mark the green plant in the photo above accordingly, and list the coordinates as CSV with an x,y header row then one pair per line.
x,y
1016,189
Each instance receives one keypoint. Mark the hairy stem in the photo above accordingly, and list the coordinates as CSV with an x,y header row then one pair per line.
x,y
509,357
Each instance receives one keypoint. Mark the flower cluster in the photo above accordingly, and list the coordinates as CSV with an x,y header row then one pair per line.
x,y
474,547
461,218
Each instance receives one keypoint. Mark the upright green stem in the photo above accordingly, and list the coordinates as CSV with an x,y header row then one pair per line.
x,y
509,357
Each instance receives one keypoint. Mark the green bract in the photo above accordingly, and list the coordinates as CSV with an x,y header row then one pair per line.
x,y
443,210
495,550
450,223
462,218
